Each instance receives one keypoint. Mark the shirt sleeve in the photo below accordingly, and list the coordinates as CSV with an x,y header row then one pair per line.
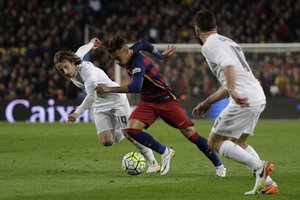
x,y
137,78
143,45
89,99
84,50
216,54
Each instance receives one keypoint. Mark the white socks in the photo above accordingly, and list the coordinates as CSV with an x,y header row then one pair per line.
x,y
234,152
252,152
118,136
146,152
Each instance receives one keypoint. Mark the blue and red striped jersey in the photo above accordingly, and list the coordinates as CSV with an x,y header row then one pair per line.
x,y
146,78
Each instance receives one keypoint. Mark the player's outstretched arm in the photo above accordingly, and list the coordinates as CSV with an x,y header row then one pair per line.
x,y
101,89
96,42
169,51
72,117
93,44
134,87
146,46
85,104
203,107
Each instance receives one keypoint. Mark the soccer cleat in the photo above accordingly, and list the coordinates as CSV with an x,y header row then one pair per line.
x,y
270,189
165,161
261,175
220,171
153,168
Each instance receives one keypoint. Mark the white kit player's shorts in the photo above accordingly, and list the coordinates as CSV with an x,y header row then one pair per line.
x,y
235,120
115,117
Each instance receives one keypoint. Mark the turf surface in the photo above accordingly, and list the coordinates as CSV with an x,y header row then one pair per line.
x,y
66,161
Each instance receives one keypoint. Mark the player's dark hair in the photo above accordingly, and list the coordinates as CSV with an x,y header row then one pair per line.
x,y
66,55
205,20
115,44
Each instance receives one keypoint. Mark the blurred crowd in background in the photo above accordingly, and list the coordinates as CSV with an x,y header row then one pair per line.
x,y
32,31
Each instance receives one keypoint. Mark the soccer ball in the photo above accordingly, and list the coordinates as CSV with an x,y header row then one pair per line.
x,y
133,163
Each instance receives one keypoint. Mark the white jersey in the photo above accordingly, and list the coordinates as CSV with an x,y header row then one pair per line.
x,y
87,77
220,52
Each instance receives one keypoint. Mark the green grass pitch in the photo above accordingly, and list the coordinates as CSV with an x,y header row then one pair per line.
x,y
66,161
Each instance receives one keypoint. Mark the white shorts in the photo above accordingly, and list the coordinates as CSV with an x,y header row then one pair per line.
x,y
115,118
235,120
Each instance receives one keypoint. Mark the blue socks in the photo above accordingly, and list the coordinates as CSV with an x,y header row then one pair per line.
x,y
201,143
146,139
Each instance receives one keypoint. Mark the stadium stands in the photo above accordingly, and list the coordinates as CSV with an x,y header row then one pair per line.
x,y
33,31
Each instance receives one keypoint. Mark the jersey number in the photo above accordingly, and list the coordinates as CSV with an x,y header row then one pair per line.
x,y
239,54
122,119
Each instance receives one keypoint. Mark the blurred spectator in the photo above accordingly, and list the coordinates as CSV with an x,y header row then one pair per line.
x,y
32,31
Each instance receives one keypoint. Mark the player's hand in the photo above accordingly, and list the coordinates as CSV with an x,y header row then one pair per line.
x,y
201,109
97,43
102,89
72,117
242,101
169,51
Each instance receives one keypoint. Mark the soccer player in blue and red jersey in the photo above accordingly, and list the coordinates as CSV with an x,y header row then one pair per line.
x,y
157,100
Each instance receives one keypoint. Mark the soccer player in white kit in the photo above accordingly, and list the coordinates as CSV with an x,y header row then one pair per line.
x,y
247,100
111,111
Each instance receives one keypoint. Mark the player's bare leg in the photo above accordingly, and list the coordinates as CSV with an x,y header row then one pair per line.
x,y
106,138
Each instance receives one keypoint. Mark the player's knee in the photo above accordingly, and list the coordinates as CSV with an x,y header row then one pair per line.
x,y
188,132
107,143
213,143
210,142
241,143
106,139
132,131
